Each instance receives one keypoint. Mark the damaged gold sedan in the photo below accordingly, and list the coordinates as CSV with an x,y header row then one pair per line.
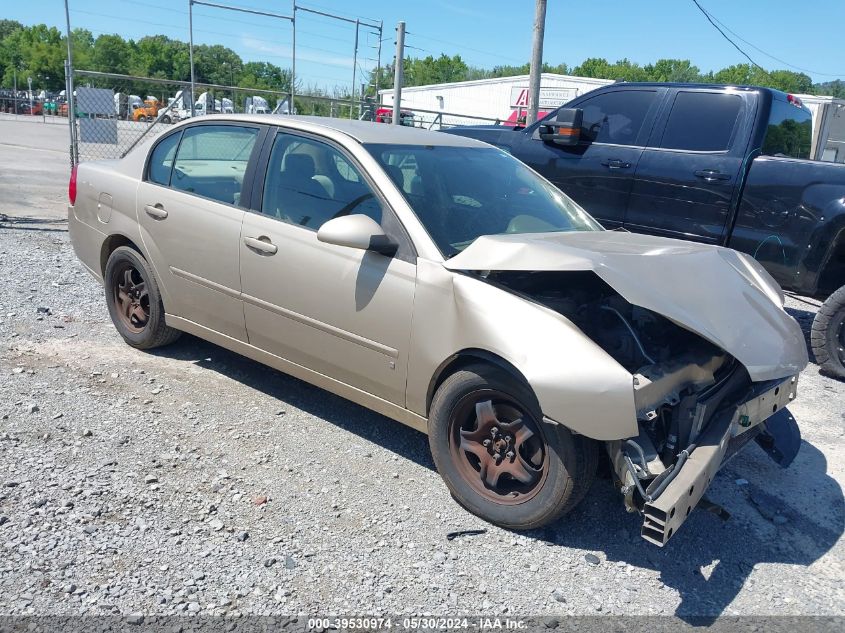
x,y
441,282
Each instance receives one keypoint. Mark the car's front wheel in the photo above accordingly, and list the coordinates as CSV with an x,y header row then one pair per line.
x,y
134,300
497,455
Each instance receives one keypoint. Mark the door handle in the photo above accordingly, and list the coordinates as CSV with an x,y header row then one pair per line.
x,y
261,244
711,175
156,211
615,163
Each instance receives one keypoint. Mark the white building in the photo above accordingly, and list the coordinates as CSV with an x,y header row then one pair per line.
x,y
828,127
488,100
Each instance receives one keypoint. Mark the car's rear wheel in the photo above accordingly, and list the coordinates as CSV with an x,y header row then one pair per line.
x,y
828,335
134,300
497,455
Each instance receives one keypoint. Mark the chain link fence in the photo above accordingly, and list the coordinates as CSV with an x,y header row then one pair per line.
x,y
114,113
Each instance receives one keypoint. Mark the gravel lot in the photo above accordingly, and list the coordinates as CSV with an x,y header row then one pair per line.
x,y
191,480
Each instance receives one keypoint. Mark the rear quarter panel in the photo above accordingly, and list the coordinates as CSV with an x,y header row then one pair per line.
x,y
104,208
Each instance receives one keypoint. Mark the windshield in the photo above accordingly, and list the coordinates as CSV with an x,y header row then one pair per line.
x,y
461,193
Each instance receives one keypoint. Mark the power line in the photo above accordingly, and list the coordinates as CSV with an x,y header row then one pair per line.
x,y
777,59
734,44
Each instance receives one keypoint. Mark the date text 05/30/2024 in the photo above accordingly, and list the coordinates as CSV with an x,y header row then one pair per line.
x,y
415,623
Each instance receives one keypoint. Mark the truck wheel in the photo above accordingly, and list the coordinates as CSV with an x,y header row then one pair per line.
x,y
165,119
134,301
498,457
828,335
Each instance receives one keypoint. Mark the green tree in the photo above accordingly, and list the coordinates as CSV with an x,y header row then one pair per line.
x,y
790,81
265,76
37,52
597,67
82,42
738,75
677,70
112,54
7,27
428,70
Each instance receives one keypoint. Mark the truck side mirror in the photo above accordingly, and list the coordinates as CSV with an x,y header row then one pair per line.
x,y
564,128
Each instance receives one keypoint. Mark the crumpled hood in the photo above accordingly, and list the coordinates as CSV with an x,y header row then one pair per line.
x,y
724,296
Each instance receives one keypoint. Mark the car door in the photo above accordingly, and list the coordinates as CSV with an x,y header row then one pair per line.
x,y
688,176
189,208
342,312
597,173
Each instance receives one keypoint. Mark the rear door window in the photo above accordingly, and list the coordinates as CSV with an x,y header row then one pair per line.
x,y
702,121
212,160
790,131
161,162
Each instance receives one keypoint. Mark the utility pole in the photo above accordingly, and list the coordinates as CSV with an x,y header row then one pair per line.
x,y
354,67
378,55
536,62
397,72
15,89
292,58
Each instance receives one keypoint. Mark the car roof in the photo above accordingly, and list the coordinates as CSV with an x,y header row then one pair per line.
x,y
362,131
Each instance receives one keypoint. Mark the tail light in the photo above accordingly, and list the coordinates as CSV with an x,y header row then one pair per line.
x,y
71,186
794,101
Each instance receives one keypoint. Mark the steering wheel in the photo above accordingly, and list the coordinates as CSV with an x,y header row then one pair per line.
x,y
346,210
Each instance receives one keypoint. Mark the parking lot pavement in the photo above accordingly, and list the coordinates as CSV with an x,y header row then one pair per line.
x,y
191,480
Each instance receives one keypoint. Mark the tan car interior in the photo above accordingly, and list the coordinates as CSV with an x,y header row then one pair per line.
x,y
309,183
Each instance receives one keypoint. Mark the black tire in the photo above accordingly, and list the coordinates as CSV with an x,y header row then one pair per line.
x,y
145,327
827,337
570,460
166,119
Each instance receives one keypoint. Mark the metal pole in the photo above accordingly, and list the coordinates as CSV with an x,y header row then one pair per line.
x,y
378,66
293,61
536,62
191,52
69,128
15,89
397,72
71,100
354,68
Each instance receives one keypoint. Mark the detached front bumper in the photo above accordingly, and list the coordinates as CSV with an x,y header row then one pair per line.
x,y
727,431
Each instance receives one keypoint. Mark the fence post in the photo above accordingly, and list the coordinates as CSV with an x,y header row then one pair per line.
x,y
71,101
73,151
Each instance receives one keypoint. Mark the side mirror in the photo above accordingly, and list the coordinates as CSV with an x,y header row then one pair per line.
x,y
564,129
357,231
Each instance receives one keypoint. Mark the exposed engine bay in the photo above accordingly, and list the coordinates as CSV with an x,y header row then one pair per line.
x,y
687,392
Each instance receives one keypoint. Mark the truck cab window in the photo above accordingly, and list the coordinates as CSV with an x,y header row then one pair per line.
x,y
789,132
616,117
702,121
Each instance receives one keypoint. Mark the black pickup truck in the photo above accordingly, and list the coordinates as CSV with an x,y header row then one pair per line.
x,y
726,165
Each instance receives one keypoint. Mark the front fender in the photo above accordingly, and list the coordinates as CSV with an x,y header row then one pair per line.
x,y
576,382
